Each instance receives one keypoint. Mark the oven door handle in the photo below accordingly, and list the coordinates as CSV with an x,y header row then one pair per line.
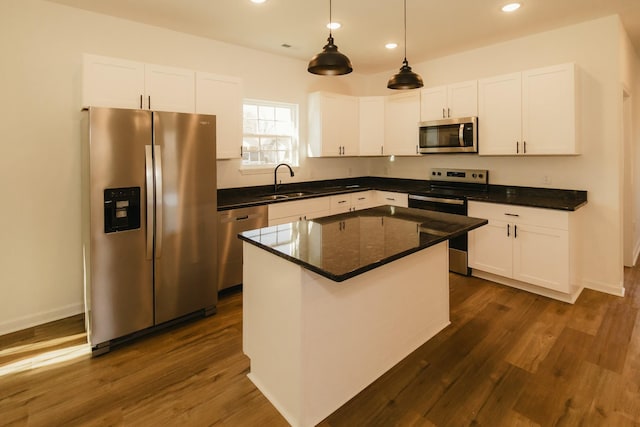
x,y
437,200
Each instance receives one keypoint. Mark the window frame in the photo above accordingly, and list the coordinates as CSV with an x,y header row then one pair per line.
x,y
295,134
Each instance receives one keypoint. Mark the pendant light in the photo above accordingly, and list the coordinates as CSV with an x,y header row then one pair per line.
x,y
330,62
405,78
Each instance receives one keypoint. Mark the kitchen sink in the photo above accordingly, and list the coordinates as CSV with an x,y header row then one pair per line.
x,y
274,197
296,194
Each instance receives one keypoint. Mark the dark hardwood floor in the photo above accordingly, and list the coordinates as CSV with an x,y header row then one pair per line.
x,y
509,358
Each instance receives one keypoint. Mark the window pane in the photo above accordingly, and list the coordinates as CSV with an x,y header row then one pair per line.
x,y
283,114
266,113
270,133
283,128
250,111
250,126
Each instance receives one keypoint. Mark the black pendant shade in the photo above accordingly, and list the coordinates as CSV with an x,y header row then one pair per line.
x,y
405,78
330,62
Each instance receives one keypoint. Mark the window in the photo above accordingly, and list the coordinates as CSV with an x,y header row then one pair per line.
x,y
270,134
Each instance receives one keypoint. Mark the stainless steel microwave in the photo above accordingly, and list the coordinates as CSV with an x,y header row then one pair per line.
x,y
449,136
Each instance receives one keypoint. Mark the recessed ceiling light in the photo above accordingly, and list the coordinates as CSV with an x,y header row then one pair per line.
x,y
391,45
258,1
334,25
511,7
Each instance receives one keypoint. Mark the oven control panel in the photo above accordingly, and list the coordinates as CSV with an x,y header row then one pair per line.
x,y
469,176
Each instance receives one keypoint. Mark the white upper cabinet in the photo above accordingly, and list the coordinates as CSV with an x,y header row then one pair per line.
x,y
371,110
118,83
549,110
333,125
500,114
112,82
451,101
169,89
222,96
528,113
401,119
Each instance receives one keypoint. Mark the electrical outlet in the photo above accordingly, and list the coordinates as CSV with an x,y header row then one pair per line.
x,y
546,179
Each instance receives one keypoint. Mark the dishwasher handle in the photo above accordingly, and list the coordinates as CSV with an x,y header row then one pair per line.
x,y
240,218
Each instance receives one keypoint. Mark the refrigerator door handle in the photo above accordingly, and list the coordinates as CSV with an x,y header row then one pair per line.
x,y
159,207
149,182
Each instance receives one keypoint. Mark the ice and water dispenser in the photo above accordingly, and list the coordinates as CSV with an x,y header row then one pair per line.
x,y
121,209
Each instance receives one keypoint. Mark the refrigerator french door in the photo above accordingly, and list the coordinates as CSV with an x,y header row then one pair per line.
x,y
150,214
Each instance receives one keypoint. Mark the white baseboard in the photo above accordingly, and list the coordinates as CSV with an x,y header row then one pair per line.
x,y
605,287
549,293
636,253
17,324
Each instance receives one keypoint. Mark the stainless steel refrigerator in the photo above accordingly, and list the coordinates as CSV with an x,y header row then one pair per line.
x,y
149,221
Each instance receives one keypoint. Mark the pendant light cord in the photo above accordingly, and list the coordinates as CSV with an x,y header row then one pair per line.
x,y
330,22
405,30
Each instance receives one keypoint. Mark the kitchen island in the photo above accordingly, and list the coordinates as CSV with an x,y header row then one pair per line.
x,y
331,304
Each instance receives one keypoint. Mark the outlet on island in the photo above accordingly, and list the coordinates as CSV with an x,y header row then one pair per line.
x,y
546,179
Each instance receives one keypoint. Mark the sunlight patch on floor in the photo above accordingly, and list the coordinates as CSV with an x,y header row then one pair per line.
x,y
46,359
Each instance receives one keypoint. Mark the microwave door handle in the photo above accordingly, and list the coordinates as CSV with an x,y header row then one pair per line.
x,y
461,134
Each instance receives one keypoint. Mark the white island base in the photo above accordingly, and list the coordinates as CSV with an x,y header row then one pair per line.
x,y
315,343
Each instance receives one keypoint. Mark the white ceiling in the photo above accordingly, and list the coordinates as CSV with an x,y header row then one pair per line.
x,y
435,28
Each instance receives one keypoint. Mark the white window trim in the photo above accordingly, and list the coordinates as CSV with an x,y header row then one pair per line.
x,y
265,169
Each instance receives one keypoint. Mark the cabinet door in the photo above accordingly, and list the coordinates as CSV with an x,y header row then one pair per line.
x,y
401,118
549,110
433,103
169,89
500,114
222,96
333,125
541,257
490,248
462,99
371,113
112,82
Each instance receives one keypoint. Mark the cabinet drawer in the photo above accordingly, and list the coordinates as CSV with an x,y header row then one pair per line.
x,y
520,214
299,207
341,201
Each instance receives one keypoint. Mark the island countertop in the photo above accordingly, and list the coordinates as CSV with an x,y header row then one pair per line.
x,y
342,246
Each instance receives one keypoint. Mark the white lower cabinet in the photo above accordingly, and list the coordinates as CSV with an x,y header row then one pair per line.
x,y
351,202
282,213
523,246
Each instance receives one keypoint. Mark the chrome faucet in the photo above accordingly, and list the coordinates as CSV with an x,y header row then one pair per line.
x,y
275,176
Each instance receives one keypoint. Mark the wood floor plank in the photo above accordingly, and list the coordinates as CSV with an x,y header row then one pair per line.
x,y
509,358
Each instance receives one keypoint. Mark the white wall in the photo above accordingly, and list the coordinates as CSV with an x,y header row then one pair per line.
x,y
595,47
42,45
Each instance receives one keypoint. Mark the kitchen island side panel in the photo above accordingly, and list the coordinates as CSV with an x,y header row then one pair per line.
x,y
315,343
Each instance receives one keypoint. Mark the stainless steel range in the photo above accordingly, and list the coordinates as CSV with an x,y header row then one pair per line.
x,y
447,192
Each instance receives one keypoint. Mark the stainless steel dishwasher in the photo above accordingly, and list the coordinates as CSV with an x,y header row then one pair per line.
x,y
230,223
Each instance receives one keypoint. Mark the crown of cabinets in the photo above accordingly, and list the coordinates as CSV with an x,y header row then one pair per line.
x,y
529,113
119,83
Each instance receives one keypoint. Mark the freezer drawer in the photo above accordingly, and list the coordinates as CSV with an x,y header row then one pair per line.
x,y
230,223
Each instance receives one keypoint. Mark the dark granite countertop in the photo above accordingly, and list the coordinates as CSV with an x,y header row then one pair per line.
x,y
342,246
547,198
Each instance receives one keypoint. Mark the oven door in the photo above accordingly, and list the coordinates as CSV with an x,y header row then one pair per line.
x,y
458,262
